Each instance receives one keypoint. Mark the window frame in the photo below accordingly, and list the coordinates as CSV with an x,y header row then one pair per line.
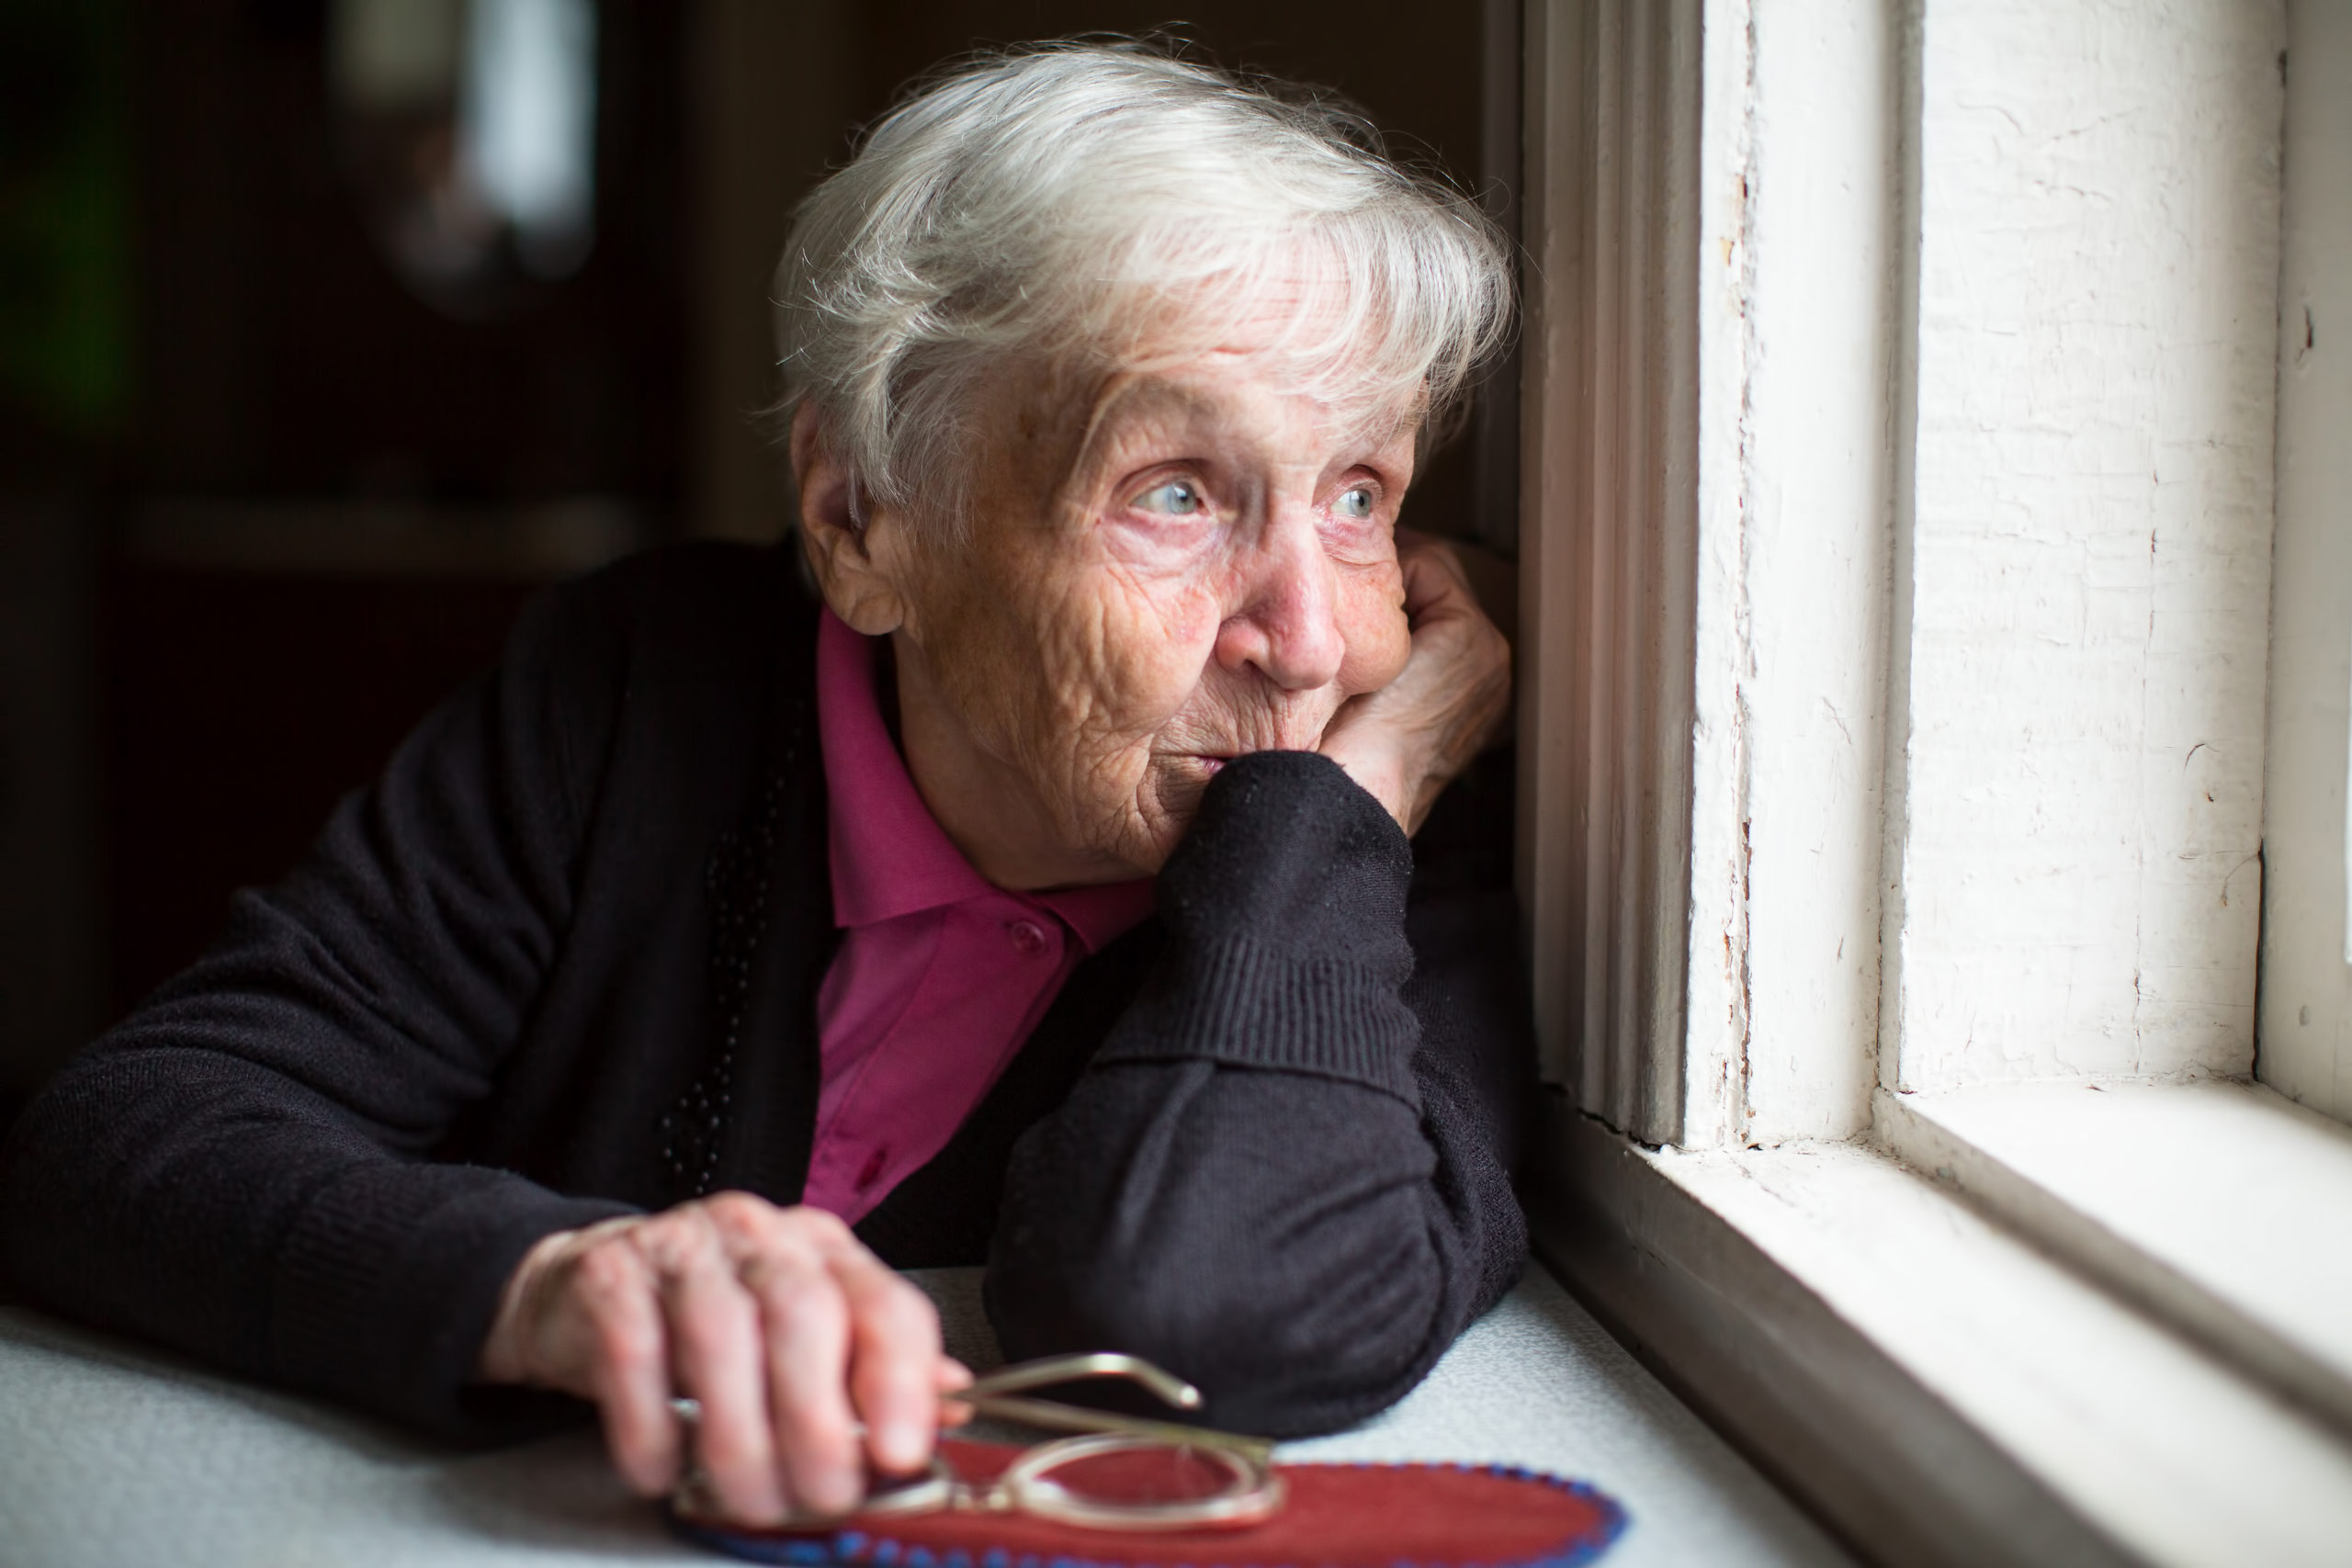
x,y
1874,1275
2305,1020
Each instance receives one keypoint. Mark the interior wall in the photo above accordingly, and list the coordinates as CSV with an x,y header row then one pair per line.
x,y
168,733
52,980
783,88
776,92
63,383
279,353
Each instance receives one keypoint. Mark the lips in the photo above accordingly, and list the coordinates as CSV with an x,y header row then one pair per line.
x,y
1210,763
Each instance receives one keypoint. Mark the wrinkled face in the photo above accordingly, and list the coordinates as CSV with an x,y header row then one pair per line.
x,y
1161,571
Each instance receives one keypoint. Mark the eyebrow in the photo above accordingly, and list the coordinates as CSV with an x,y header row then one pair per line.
x,y
1129,395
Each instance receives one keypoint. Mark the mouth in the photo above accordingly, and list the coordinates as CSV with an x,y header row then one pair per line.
x,y
1196,768
1209,765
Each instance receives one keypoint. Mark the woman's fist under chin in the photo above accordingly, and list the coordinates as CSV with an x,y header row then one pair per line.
x,y
1408,740
811,1360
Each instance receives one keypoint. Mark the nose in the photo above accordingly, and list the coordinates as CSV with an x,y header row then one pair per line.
x,y
1287,626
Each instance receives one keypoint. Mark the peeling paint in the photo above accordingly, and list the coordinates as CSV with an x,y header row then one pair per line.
x,y
2090,530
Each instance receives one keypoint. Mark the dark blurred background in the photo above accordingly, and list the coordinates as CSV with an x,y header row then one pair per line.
x,y
332,329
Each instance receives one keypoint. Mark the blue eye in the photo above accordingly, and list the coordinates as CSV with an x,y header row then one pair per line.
x,y
1177,498
1356,503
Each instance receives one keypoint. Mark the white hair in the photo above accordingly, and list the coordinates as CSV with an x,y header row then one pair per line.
x,y
1094,200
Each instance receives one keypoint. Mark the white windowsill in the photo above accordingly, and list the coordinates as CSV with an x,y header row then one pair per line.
x,y
1938,1386
2221,1207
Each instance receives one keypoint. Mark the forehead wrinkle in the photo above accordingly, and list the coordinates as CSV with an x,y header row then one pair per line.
x,y
1125,396
1139,394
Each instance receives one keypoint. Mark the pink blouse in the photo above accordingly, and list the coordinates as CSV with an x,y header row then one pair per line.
x,y
941,974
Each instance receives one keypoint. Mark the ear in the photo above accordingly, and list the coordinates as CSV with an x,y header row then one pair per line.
x,y
857,549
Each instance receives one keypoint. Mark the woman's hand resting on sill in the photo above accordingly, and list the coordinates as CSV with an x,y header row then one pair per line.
x,y
779,1321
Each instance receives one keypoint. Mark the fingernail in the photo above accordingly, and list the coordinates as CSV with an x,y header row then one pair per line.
x,y
833,1491
899,1442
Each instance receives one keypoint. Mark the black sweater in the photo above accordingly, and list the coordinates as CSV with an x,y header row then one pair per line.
x,y
560,962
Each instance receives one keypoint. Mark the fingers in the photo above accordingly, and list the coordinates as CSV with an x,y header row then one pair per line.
x,y
784,1327
1405,741
808,1331
954,1378
627,1371
895,1360
848,1340
1436,584
715,1351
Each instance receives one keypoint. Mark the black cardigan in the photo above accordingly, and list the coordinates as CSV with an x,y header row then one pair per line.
x,y
560,962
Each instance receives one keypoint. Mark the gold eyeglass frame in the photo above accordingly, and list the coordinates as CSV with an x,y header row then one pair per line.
x,y
1254,1491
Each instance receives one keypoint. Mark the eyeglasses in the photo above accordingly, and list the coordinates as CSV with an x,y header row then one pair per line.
x,y
1120,1472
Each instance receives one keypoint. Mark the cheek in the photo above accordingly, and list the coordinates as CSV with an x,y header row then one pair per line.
x,y
1124,653
1371,621
1159,635
1168,598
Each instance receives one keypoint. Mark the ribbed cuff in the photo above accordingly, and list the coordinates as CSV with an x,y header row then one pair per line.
x,y
1242,1002
388,1284
1285,912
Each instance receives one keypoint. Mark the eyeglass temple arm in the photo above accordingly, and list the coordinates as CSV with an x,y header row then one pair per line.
x,y
996,1394
1166,1387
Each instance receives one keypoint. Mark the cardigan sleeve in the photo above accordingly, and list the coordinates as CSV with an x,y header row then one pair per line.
x,y
1286,1174
241,1169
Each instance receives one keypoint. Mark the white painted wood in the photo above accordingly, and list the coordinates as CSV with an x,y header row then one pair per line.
x,y
1985,403
2049,229
1608,422
2088,540
1714,1066
1832,1259
1705,539
2218,1206
2306,1020
1817,301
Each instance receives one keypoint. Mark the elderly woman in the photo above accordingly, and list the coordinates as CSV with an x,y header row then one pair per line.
x,y
1043,898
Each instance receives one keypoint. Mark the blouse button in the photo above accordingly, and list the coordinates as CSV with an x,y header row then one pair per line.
x,y
1029,937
